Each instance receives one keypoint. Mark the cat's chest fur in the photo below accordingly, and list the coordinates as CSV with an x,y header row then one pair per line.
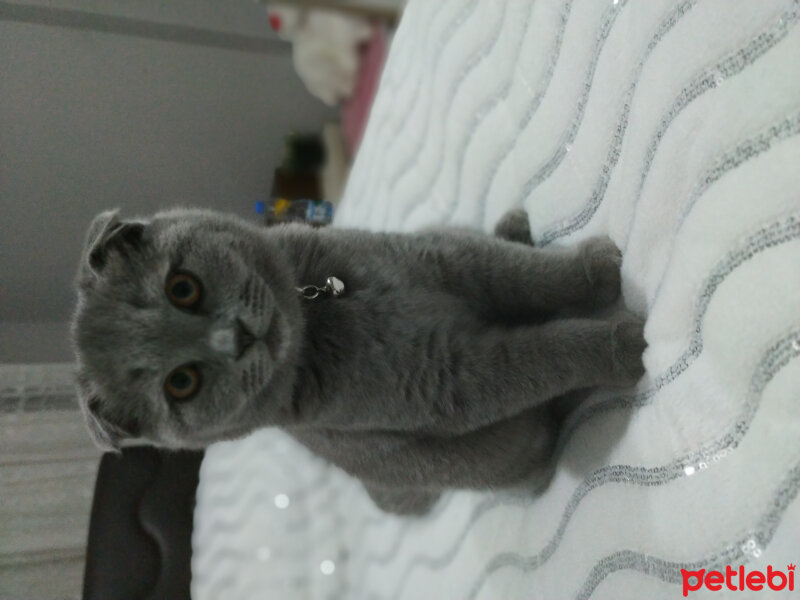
x,y
382,346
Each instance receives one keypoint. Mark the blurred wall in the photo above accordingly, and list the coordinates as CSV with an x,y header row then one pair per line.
x,y
140,106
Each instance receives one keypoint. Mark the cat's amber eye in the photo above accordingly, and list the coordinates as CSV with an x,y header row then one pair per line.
x,y
183,289
182,383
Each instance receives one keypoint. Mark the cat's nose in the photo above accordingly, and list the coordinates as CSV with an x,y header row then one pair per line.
x,y
244,338
231,340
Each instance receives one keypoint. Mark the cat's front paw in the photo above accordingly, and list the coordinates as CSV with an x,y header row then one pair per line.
x,y
601,261
515,226
628,345
404,502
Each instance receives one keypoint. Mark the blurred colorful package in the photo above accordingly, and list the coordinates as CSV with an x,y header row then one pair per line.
x,y
313,212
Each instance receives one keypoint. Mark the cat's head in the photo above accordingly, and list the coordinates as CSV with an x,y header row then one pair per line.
x,y
186,331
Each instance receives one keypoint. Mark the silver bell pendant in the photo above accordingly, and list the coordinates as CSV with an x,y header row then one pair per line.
x,y
333,287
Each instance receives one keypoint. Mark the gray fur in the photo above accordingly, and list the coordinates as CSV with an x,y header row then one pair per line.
x,y
434,370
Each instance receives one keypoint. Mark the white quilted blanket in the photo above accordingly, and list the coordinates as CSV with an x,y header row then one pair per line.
x,y
670,125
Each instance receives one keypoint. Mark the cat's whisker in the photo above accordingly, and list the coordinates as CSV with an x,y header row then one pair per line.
x,y
261,368
245,386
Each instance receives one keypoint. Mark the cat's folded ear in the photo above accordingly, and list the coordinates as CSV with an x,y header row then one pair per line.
x,y
104,434
108,232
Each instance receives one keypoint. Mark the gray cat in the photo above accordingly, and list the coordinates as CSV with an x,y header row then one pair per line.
x,y
433,369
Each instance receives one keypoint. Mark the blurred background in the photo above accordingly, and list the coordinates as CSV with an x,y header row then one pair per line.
x,y
230,105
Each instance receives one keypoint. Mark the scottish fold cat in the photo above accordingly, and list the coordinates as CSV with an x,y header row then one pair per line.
x,y
433,368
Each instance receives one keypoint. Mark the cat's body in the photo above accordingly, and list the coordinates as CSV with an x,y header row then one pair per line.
x,y
433,369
